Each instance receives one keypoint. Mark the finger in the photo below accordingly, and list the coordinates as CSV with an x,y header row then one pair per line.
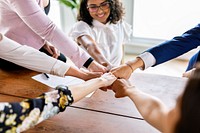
x,y
56,56
97,73
53,49
103,88
58,52
49,50
109,88
116,95
55,52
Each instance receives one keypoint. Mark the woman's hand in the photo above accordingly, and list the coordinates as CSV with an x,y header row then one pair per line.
x,y
87,75
122,71
82,74
107,79
108,65
125,70
52,50
122,88
96,67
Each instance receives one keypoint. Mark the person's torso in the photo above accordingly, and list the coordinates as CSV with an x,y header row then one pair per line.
x,y
110,39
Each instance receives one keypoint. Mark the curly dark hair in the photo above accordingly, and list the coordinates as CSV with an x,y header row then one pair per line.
x,y
116,12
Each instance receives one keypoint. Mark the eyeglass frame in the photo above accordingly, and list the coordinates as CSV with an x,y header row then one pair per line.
x,y
98,7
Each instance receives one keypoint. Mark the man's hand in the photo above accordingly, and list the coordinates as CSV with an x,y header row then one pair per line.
x,y
122,71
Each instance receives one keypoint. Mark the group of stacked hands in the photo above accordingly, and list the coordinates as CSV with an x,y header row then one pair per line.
x,y
100,30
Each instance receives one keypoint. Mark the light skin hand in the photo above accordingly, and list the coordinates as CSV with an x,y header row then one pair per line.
x,y
85,75
81,90
52,50
96,67
109,66
123,71
108,79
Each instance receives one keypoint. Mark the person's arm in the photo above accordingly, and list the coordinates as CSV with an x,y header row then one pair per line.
x,y
82,90
20,116
150,107
33,59
31,14
160,53
177,46
90,45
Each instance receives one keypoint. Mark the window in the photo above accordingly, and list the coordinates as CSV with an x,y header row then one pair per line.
x,y
164,19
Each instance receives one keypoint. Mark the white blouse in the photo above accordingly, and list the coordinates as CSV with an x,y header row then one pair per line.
x,y
109,37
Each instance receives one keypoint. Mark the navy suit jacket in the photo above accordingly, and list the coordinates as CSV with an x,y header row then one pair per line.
x,y
177,46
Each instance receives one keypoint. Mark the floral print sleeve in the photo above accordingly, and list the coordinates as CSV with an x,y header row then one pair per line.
x,y
20,116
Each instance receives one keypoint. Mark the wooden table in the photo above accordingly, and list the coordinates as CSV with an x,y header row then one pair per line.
x,y
101,113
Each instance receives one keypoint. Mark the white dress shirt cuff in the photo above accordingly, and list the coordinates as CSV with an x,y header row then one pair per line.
x,y
148,59
31,58
60,68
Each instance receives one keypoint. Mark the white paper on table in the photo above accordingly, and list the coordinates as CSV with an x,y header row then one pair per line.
x,y
54,81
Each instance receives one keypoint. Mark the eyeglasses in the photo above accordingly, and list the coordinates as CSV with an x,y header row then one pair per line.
x,y
95,8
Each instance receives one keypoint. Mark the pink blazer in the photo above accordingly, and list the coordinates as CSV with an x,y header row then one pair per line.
x,y
25,22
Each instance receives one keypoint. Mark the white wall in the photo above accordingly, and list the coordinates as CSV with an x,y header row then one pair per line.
x,y
134,46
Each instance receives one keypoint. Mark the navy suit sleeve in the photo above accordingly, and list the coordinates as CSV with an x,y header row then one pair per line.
x,y
177,46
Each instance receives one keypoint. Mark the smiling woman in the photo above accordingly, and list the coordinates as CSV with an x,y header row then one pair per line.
x,y
101,30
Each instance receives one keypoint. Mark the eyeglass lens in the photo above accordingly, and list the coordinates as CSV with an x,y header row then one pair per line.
x,y
94,8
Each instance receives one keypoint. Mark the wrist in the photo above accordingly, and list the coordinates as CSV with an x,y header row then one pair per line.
x,y
137,63
129,66
88,62
132,91
101,82
98,82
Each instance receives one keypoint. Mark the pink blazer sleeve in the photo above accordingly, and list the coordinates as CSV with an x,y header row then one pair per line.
x,y
31,14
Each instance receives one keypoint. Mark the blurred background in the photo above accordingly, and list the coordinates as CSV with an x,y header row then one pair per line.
x,y
153,21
